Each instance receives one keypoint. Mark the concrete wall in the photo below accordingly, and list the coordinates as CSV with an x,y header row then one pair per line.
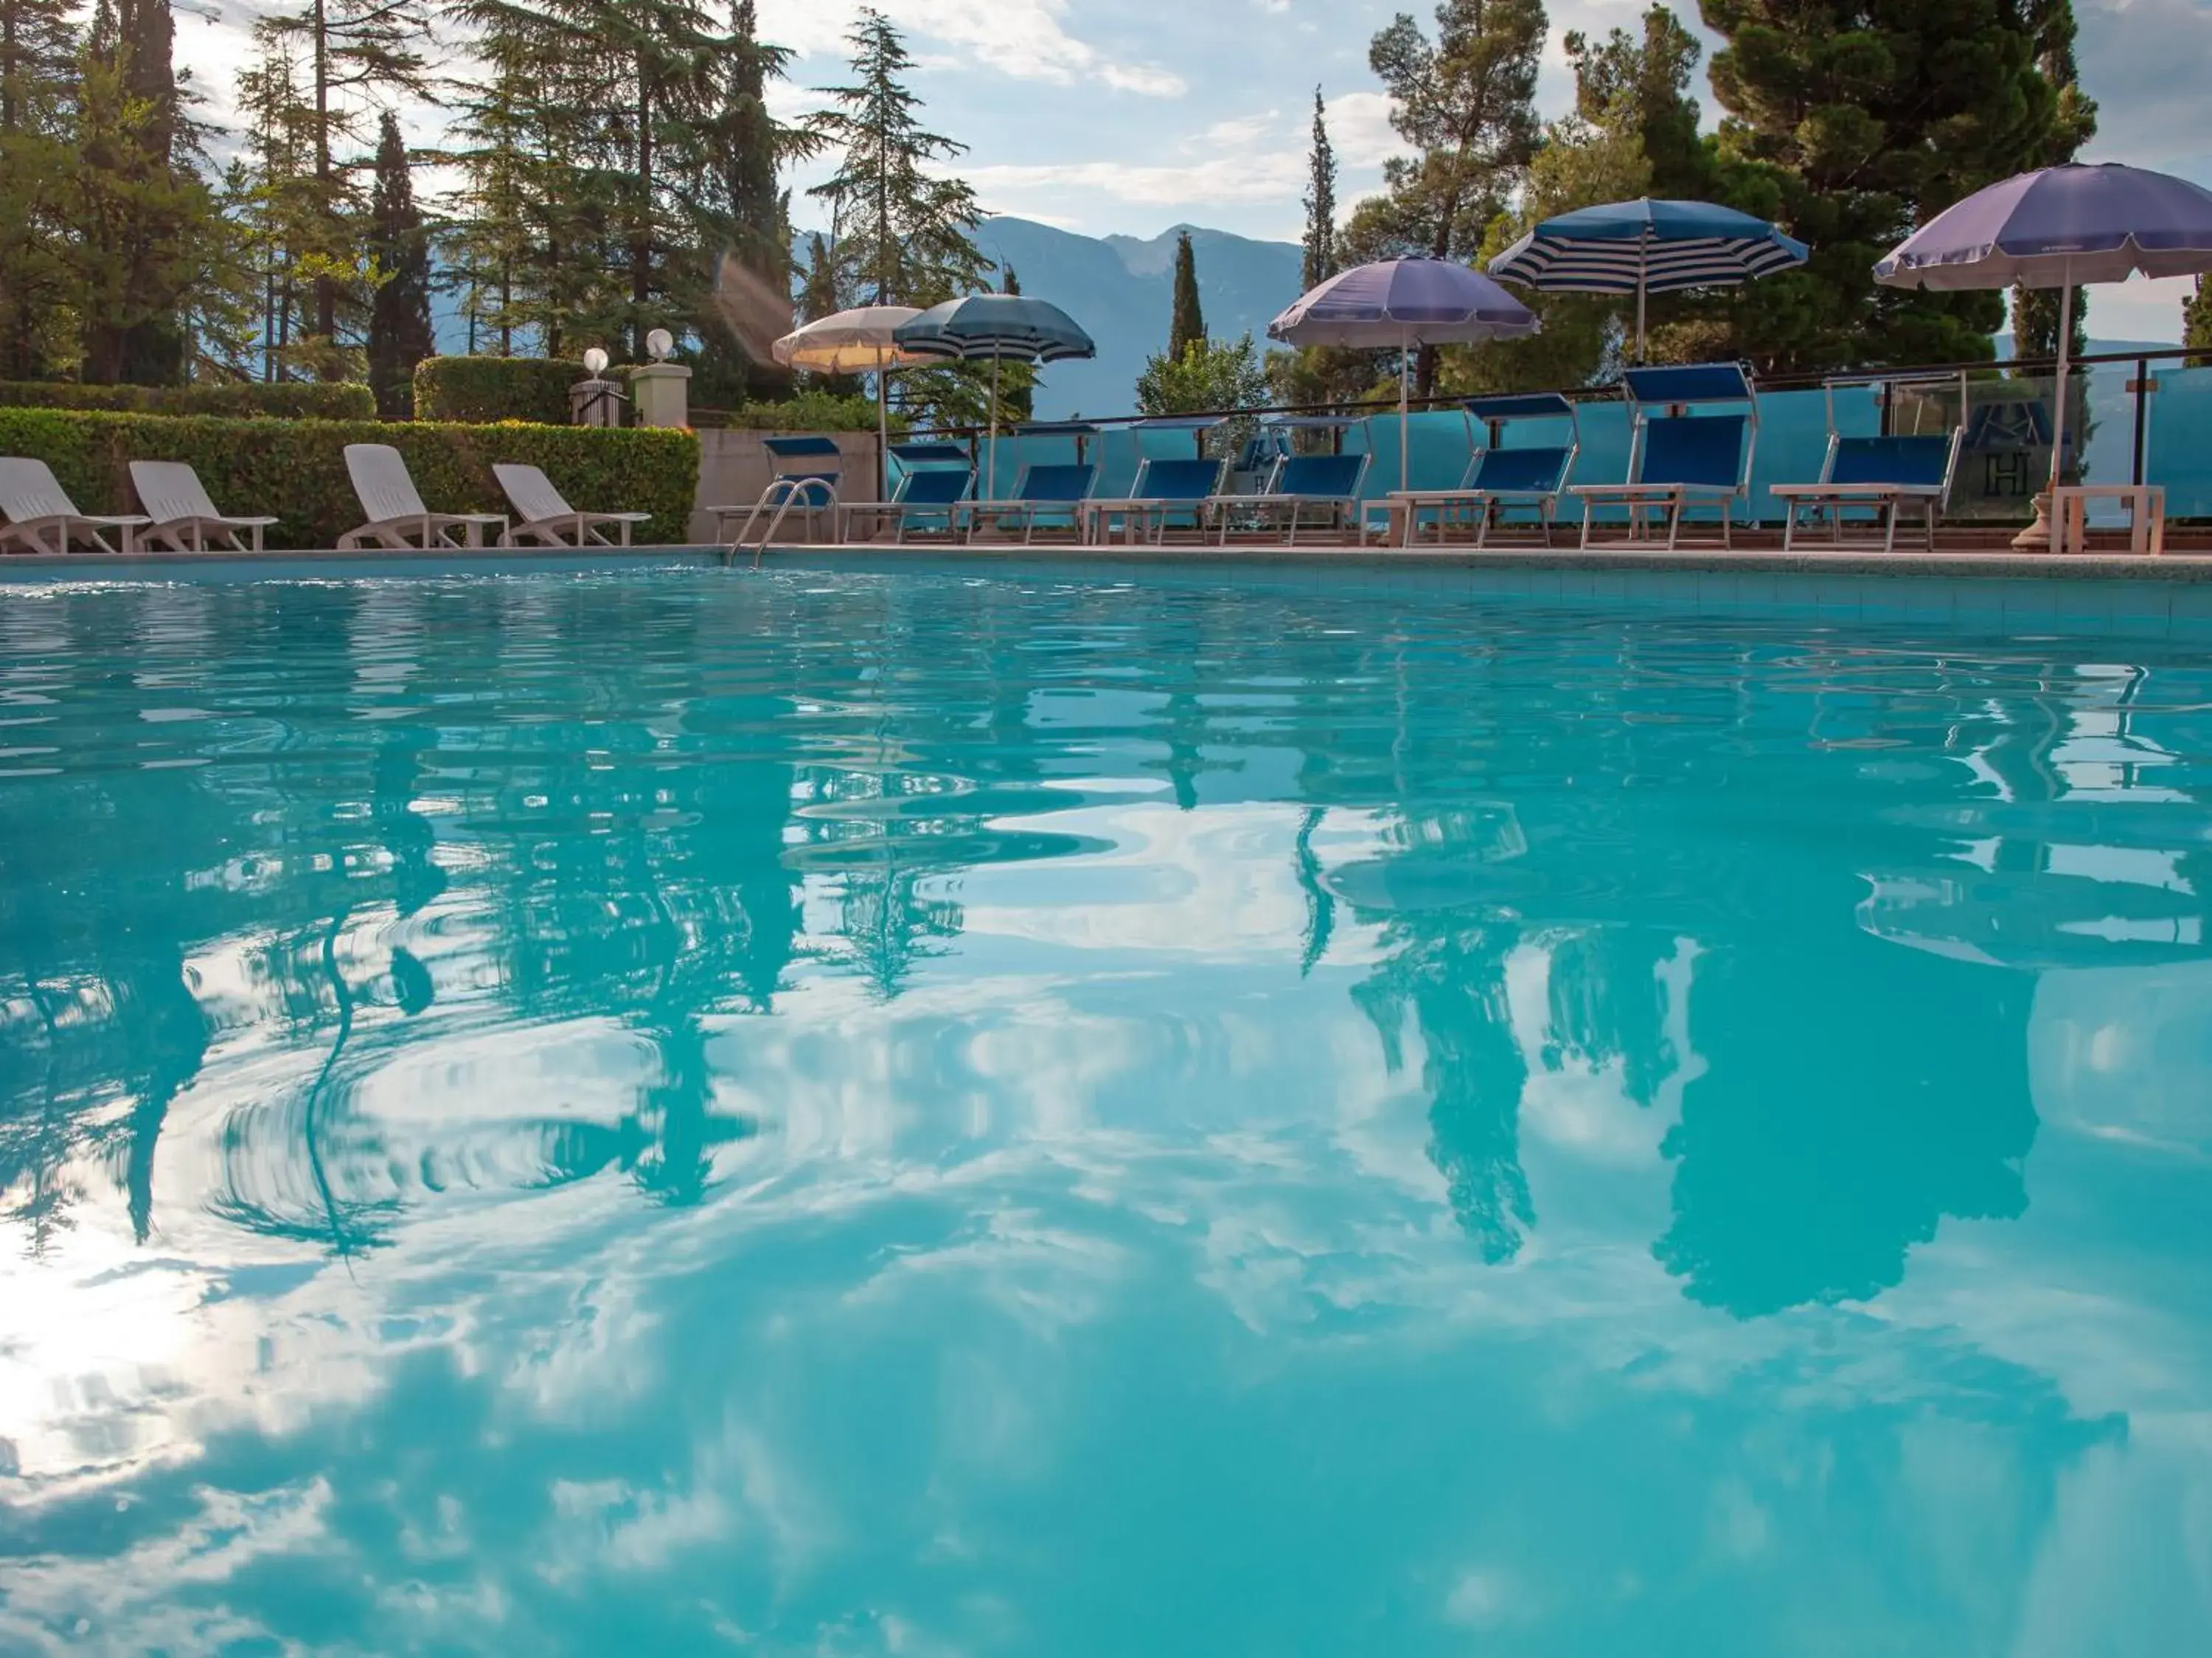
x,y
734,468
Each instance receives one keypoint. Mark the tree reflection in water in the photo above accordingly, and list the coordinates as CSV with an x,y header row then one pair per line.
x,y
625,820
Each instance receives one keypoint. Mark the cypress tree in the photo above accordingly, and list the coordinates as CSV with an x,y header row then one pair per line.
x,y
1321,201
141,214
1849,127
818,295
399,332
751,143
2196,319
1186,324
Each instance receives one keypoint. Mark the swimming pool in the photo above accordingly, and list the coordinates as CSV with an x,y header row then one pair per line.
x,y
937,1112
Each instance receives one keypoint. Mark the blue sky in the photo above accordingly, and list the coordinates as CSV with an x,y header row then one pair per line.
x,y
1139,114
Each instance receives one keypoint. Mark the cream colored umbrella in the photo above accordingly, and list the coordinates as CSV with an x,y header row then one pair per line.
x,y
856,341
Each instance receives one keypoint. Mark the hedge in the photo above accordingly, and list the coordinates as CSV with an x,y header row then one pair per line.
x,y
283,400
296,469
475,390
809,411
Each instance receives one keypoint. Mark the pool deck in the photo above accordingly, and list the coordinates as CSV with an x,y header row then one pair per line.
x,y
1992,560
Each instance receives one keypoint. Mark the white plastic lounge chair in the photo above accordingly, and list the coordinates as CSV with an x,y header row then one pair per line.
x,y
396,511
1678,459
182,516
545,518
41,518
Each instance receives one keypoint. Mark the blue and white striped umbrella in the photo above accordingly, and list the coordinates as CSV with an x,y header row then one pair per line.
x,y
1645,247
998,327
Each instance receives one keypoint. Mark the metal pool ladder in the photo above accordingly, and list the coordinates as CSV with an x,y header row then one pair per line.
x,y
777,501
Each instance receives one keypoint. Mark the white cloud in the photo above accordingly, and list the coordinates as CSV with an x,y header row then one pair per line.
x,y
1024,38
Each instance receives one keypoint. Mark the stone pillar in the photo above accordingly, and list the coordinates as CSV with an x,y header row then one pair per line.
x,y
663,394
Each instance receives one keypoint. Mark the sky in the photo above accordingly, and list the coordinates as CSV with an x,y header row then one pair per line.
x,y
1136,115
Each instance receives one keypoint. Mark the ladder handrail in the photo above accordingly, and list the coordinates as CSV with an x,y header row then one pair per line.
x,y
777,500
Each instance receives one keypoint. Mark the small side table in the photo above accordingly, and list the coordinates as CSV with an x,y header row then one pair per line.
x,y
2146,505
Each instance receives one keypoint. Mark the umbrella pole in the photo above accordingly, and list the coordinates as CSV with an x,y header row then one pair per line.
x,y
883,432
990,474
1405,418
2058,413
1643,273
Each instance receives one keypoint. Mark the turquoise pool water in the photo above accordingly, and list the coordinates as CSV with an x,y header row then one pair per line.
x,y
843,1113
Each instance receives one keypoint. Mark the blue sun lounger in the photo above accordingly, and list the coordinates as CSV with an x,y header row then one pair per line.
x,y
806,473
1881,476
1325,485
1680,460
1163,489
935,478
1499,480
1055,491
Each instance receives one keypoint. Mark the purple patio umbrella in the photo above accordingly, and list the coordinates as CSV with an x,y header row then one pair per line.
x,y
2060,227
1400,304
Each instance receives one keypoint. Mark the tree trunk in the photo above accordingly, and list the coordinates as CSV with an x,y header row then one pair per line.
x,y
641,241
8,114
326,290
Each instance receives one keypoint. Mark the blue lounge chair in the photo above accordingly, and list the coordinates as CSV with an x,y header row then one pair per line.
x,y
1327,483
1878,475
1055,491
1678,460
934,478
1499,480
1163,489
806,473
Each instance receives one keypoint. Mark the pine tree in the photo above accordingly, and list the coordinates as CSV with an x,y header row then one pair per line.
x,y
538,241
399,244
273,194
1187,323
1466,102
1321,201
38,50
38,72
1626,83
353,52
902,229
1849,128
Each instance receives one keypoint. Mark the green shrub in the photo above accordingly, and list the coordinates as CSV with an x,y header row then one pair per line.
x,y
809,412
288,399
477,390
296,469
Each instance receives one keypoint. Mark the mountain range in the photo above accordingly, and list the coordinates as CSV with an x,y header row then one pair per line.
x,y
1121,290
